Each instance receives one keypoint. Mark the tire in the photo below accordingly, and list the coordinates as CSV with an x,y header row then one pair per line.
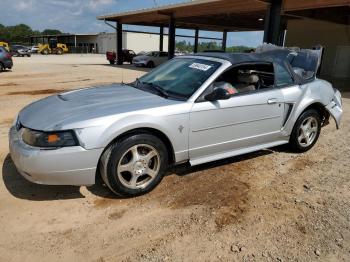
x,y
150,64
112,62
29,55
139,177
45,52
2,68
306,131
59,51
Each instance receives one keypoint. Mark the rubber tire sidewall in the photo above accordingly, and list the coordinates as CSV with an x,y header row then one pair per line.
x,y
2,68
150,64
293,141
113,154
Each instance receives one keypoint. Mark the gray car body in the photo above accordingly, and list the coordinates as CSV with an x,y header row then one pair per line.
x,y
5,60
197,131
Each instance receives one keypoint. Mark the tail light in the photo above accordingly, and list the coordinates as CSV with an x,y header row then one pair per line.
x,y
8,55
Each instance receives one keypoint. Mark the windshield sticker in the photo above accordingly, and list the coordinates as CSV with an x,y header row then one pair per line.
x,y
199,66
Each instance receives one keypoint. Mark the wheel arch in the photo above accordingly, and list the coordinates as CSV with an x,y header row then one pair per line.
x,y
142,130
320,108
147,130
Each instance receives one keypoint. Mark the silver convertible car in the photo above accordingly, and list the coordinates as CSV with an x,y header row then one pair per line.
x,y
194,109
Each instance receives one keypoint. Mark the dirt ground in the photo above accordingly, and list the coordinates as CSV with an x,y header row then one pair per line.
x,y
272,205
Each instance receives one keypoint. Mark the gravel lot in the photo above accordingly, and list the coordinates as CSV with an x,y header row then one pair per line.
x,y
272,205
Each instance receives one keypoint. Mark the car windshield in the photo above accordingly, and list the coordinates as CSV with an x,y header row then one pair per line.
x,y
179,78
149,54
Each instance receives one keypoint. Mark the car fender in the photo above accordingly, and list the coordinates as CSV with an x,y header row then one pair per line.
x,y
316,92
172,127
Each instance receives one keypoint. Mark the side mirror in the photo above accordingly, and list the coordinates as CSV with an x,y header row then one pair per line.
x,y
217,94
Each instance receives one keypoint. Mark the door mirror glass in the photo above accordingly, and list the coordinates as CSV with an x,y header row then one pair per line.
x,y
218,94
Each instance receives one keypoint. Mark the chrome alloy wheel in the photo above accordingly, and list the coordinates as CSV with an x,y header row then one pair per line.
x,y
138,166
307,132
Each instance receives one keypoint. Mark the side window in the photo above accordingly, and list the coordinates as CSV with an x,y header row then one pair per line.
x,y
283,77
246,78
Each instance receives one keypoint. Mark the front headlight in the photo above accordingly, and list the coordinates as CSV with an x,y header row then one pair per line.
x,y
49,139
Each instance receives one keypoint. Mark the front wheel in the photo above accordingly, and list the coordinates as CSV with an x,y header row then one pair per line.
x,y
306,131
134,165
150,64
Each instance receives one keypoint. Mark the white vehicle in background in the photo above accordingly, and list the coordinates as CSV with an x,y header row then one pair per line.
x,y
34,49
150,59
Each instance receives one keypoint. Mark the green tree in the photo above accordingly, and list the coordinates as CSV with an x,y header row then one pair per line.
x,y
51,32
19,34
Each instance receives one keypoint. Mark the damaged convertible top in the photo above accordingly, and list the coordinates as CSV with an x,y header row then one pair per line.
x,y
303,62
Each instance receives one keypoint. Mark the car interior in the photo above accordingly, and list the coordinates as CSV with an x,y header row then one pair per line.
x,y
247,78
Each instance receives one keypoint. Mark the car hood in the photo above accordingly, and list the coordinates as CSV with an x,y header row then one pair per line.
x,y
141,57
74,107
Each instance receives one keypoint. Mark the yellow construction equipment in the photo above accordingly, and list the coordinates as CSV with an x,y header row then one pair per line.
x,y
5,45
52,48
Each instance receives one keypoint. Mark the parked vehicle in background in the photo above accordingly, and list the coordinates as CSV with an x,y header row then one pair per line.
x,y
34,49
150,59
197,108
53,47
5,59
20,50
127,56
5,45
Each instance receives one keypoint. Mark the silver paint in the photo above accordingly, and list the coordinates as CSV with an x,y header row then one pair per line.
x,y
198,131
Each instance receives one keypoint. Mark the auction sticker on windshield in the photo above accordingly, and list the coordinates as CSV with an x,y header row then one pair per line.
x,y
199,66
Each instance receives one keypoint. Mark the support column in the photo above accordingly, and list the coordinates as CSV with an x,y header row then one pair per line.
x,y
161,39
196,37
224,40
273,26
171,43
119,43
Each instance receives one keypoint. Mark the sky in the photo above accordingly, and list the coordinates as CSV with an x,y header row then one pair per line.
x,y
79,16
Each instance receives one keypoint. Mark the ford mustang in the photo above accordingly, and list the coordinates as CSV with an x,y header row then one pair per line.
x,y
196,108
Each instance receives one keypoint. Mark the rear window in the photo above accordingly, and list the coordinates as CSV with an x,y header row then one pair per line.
x,y
283,77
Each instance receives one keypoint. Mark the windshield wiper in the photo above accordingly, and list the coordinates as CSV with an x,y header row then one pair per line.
x,y
155,87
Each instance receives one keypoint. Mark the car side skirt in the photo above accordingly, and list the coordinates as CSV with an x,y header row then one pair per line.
x,y
236,152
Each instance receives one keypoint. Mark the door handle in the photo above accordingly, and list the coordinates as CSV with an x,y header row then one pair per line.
x,y
272,101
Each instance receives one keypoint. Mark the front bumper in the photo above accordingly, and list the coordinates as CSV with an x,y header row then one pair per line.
x,y
63,166
8,63
138,63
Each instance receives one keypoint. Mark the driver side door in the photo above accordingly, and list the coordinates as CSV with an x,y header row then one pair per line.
x,y
219,129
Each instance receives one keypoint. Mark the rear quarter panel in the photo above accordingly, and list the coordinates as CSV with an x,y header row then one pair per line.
x,y
317,91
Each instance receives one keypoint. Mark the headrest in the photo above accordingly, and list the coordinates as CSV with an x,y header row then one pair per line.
x,y
248,79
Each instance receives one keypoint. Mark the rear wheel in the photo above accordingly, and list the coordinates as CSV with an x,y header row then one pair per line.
x,y
306,131
2,68
134,165
112,62
59,51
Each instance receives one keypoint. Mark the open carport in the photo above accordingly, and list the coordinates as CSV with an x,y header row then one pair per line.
x,y
307,23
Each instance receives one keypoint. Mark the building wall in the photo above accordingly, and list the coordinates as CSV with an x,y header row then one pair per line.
x,y
134,41
334,37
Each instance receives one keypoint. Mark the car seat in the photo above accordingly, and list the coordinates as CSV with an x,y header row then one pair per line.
x,y
247,83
